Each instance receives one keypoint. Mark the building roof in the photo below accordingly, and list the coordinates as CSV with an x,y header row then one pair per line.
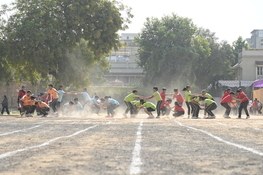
x,y
256,30
235,83
259,62
239,64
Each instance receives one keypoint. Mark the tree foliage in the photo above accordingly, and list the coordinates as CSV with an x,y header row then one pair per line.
x,y
173,50
238,45
61,38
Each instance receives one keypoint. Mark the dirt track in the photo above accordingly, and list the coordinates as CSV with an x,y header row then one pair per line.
x,y
98,145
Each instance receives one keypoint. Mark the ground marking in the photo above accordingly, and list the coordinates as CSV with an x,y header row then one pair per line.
x,y
10,153
221,124
222,140
71,123
258,129
227,125
7,133
136,160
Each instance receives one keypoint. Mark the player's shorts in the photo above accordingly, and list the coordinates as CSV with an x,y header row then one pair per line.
x,y
150,109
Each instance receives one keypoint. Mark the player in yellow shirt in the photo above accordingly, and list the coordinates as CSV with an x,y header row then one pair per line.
x,y
156,95
127,100
148,108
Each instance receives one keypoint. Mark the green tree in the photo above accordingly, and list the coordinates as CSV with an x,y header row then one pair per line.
x,y
173,50
61,38
165,49
238,45
217,65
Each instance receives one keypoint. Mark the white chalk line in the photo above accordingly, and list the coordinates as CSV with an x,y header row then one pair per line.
x,y
136,159
10,153
12,132
222,140
227,125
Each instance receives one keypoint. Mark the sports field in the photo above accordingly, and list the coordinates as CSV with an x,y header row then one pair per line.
x,y
99,145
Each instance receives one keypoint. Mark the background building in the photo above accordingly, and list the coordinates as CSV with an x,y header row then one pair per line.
x,y
250,65
124,69
256,40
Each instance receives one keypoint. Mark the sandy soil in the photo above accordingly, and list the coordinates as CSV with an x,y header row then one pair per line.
x,y
98,145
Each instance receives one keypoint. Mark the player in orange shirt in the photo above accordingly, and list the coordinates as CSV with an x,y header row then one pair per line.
x,y
27,107
54,94
43,107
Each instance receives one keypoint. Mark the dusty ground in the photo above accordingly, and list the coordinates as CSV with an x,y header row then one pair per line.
x,y
98,145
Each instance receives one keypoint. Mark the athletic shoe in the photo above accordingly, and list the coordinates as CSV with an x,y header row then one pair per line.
x,y
108,116
150,117
132,116
124,115
239,118
248,117
226,116
55,113
27,115
194,117
211,117
158,117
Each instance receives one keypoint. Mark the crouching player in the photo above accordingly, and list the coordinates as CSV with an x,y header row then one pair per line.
x,y
95,105
68,108
110,105
165,107
178,110
43,108
136,105
148,108
28,104
209,106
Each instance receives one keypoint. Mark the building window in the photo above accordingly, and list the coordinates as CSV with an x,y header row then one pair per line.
x,y
128,37
260,70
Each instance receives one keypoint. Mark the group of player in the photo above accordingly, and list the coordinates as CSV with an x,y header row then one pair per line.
x,y
134,103
194,103
27,103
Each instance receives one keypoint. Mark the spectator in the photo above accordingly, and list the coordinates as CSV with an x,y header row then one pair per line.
x,y
5,105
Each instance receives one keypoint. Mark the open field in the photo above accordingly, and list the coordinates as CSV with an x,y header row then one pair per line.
x,y
98,145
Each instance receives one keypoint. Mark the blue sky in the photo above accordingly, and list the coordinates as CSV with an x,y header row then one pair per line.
x,y
229,19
